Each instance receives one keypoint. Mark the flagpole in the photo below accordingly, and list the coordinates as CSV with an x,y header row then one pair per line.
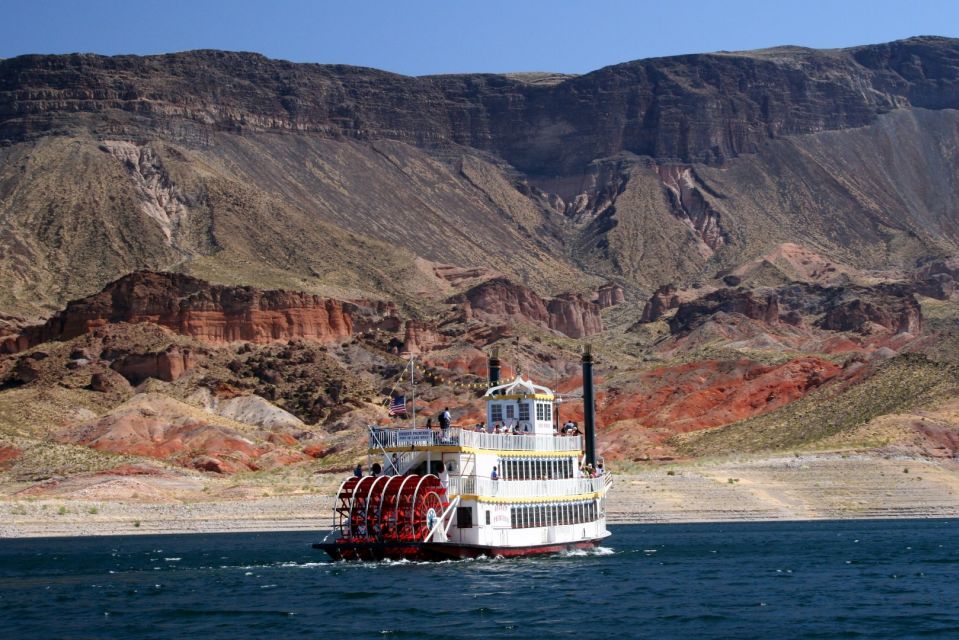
x,y
413,390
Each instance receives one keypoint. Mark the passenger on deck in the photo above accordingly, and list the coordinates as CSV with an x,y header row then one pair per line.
x,y
394,465
444,477
497,428
479,427
376,470
446,420
358,471
494,475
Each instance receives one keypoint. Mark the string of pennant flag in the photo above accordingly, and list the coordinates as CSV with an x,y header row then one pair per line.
x,y
435,377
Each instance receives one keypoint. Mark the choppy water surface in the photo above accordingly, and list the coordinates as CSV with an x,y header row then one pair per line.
x,y
876,579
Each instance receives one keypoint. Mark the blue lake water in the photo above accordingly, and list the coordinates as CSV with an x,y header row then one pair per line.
x,y
869,579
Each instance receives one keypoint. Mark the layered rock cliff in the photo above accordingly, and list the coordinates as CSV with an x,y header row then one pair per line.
x,y
886,308
692,108
192,307
500,299
340,180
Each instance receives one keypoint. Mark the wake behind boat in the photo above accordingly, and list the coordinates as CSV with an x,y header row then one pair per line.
x,y
459,493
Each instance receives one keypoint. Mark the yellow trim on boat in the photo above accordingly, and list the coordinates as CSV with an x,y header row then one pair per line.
x,y
503,453
493,499
521,396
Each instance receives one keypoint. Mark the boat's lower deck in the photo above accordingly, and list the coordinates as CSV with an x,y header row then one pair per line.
x,y
375,551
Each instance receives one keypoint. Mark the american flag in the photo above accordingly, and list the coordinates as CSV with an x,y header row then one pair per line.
x,y
397,405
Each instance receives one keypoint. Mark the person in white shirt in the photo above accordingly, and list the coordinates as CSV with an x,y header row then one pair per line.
x,y
444,477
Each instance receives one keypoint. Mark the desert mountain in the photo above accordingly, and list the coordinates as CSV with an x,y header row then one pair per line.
x,y
214,259
334,179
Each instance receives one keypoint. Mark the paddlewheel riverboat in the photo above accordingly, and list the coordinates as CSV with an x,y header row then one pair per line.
x,y
459,493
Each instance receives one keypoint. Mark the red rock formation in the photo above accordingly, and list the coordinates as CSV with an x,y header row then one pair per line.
x,y
662,300
706,394
900,315
690,205
609,295
8,453
157,427
500,299
573,316
316,451
166,365
694,313
192,307
420,336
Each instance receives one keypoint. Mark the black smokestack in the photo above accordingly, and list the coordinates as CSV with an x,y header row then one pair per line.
x,y
493,367
589,410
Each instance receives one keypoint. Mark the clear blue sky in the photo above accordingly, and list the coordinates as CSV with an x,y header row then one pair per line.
x,y
418,37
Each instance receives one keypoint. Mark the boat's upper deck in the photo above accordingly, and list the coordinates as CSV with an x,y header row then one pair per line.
x,y
389,439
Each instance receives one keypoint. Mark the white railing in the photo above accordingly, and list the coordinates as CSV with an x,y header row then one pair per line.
x,y
471,485
498,441
387,438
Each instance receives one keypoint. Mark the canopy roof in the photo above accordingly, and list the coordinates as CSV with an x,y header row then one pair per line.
x,y
519,386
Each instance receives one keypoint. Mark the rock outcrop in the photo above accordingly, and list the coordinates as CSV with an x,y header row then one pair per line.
x,y
192,307
894,314
156,426
698,107
502,300
705,394
8,453
937,278
886,307
662,300
609,295
167,365
420,336
745,303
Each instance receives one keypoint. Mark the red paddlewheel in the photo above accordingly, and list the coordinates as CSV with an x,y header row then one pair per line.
x,y
387,514
358,529
426,512
389,508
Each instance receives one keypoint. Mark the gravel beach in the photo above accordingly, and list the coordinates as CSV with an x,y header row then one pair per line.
x,y
804,487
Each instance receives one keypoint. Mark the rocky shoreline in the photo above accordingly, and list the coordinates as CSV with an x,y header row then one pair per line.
x,y
799,487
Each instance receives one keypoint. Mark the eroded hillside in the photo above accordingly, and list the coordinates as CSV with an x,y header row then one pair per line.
x,y
213,262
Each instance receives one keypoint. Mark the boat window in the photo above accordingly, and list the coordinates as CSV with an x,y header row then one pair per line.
x,y
464,517
510,411
496,412
539,411
524,411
